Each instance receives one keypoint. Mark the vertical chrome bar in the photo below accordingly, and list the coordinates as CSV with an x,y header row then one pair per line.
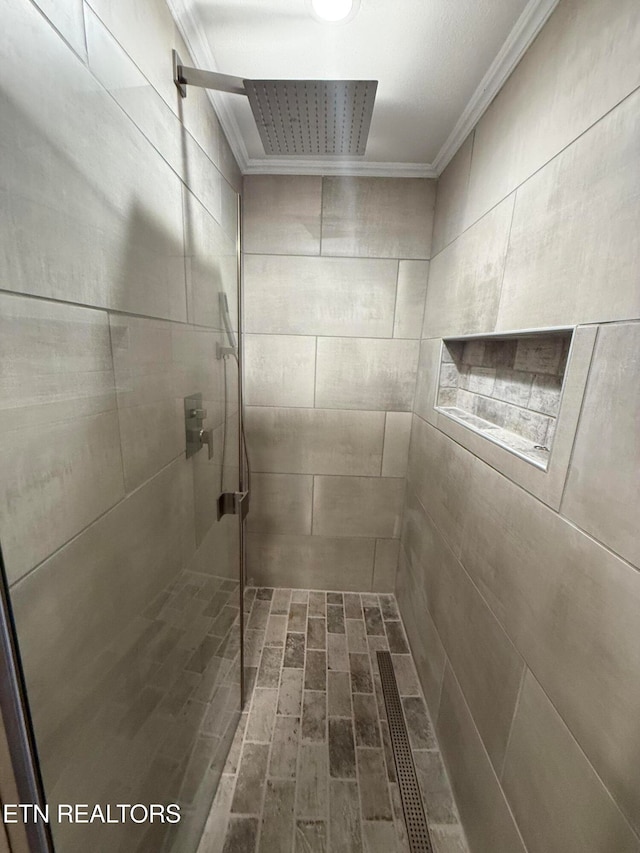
x,y
16,716
243,475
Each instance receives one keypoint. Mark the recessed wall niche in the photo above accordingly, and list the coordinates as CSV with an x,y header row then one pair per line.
x,y
507,388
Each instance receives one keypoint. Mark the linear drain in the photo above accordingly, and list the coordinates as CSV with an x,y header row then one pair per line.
x,y
414,817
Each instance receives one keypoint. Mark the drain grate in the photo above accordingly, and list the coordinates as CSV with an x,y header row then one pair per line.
x,y
414,817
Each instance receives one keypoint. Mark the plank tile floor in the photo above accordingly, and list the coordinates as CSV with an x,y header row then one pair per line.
x,y
311,768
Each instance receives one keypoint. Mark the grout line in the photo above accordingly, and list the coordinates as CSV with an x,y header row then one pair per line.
x,y
506,254
540,168
525,669
576,431
547,506
395,304
315,374
384,438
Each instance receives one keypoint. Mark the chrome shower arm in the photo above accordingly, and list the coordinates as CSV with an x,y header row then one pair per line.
x,y
185,75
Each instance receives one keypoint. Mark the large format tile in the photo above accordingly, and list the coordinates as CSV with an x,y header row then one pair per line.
x,y
313,561
585,198
106,576
451,198
465,279
486,817
426,646
152,54
77,172
319,296
603,490
357,506
282,214
385,564
59,445
377,217
410,298
211,266
280,503
438,474
397,434
315,441
280,370
66,17
150,414
486,664
561,806
570,607
154,117
427,381
583,62
366,373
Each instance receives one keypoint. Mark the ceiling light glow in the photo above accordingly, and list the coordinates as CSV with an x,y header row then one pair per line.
x,y
332,10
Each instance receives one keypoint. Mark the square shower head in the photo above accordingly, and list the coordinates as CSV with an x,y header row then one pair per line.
x,y
312,117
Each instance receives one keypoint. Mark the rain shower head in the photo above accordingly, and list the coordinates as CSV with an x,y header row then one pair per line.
x,y
297,117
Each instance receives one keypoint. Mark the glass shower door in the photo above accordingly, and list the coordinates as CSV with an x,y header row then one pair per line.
x,y
124,584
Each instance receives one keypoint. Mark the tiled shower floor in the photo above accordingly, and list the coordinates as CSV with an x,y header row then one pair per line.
x,y
311,770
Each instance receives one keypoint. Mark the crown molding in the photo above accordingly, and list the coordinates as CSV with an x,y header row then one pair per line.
x,y
521,36
350,168
526,28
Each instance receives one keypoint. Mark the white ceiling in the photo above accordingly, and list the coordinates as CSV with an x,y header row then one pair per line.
x,y
438,62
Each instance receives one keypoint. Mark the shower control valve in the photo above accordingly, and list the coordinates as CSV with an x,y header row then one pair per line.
x,y
199,414
206,437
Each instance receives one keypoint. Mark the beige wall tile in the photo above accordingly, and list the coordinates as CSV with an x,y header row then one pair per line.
x,y
385,565
560,804
487,820
397,435
316,562
485,662
126,19
357,506
218,548
211,265
76,172
410,298
282,214
155,118
280,370
465,278
603,490
106,577
426,646
66,17
584,61
427,381
59,440
570,607
280,503
556,272
377,217
150,414
438,473
319,296
361,373
315,441
451,198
